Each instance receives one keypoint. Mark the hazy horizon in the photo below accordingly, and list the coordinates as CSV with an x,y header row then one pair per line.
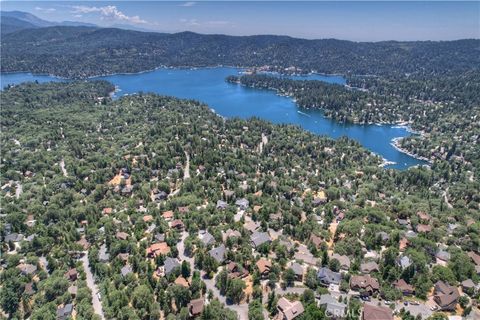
x,y
345,20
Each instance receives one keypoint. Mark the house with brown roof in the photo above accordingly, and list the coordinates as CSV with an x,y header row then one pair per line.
x,y
404,287
177,224
446,296
475,257
371,312
147,218
368,267
183,210
121,235
264,266
83,242
424,228
181,281
167,215
195,307
365,284
403,244
344,261
424,217
289,310
107,211
156,249
71,274
316,241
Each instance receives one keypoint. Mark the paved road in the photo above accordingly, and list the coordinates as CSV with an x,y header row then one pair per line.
x,y
62,166
97,305
186,173
18,190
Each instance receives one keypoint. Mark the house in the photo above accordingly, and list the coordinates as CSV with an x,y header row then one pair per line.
x,y
384,237
103,256
468,286
340,216
126,270
107,211
259,238
121,235
365,284
218,253
328,277
29,289
289,310
263,266
228,193
64,311
147,218
158,195
221,205
403,244
316,241
13,237
127,190
369,267
403,222
183,210
195,307
234,271
159,237
231,233
73,290
169,265
181,281
371,312
156,249
404,287
177,224
123,256
333,308
298,270
83,243
275,217
167,215
27,269
442,257
446,296
251,226
71,274
424,228
242,204
423,217
344,261
475,257
207,239
306,256
404,262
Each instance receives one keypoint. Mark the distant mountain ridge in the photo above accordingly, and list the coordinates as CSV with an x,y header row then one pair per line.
x,y
79,52
12,21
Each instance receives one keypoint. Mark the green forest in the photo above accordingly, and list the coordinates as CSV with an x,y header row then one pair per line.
x,y
136,183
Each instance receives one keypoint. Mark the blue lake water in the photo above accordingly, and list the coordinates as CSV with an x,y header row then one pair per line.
x,y
208,85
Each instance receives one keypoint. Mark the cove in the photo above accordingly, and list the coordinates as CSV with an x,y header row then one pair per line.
x,y
208,85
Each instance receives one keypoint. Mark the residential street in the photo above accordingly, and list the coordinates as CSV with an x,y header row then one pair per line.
x,y
97,305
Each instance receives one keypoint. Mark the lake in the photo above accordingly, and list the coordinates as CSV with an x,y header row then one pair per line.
x,y
208,85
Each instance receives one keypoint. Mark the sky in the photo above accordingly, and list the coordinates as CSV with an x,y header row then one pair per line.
x,y
348,20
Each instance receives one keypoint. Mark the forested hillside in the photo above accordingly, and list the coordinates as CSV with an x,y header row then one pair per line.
x,y
81,52
136,184
446,113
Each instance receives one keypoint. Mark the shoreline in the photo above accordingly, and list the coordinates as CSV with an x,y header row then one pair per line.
x,y
395,143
